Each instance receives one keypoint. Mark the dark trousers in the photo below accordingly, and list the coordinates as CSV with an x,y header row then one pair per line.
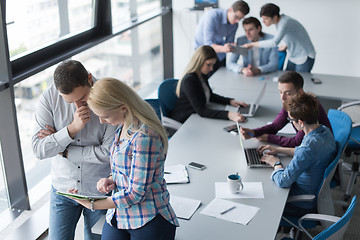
x,y
158,228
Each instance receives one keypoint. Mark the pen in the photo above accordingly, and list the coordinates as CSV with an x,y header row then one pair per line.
x,y
167,172
250,134
227,210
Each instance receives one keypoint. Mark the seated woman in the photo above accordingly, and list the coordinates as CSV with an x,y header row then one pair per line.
x,y
139,206
306,169
194,91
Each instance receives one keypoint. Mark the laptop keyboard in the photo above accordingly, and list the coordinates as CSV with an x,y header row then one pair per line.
x,y
244,110
254,156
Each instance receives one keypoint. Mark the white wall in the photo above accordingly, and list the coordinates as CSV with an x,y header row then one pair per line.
x,y
333,26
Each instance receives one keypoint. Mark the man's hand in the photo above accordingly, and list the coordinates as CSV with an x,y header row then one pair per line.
x,y
246,133
227,48
263,138
81,117
250,71
43,133
270,150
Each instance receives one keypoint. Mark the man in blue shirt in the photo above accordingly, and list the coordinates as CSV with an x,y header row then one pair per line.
x,y
258,60
316,151
217,28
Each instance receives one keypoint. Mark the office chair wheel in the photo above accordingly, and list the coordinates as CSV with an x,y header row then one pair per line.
x,y
347,198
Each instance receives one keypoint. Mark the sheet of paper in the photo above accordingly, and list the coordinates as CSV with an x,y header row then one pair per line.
x,y
176,174
184,207
288,129
240,214
251,190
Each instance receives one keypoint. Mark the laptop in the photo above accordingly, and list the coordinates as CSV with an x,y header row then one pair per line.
x,y
252,156
250,110
201,4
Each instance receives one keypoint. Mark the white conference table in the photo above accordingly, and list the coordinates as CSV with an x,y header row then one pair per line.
x,y
333,87
203,140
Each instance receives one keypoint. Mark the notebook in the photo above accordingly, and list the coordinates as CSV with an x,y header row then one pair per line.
x,y
252,156
250,110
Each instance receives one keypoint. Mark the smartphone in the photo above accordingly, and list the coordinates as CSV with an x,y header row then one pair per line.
x,y
316,80
197,166
232,128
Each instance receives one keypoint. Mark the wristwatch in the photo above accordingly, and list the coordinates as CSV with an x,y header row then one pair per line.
x,y
277,163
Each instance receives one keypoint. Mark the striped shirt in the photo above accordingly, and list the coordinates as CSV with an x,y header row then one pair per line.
x,y
137,167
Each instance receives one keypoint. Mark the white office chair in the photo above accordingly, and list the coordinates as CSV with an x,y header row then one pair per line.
x,y
337,228
353,110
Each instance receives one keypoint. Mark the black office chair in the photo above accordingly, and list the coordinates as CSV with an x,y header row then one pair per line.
x,y
155,104
167,99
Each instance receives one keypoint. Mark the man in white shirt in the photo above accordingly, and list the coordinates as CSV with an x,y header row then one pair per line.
x,y
71,134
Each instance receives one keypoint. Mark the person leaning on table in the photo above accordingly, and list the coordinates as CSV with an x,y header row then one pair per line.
x,y
139,206
306,170
194,92
258,60
300,49
290,84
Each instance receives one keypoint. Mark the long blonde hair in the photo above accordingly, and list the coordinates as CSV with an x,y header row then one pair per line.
x,y
111,94
198,59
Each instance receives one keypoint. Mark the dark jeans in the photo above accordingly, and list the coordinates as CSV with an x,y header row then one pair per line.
x,y
158,228
305,67
64,215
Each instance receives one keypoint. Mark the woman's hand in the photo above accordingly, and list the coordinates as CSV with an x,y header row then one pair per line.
x,y
237,103
248,45
272,150
236,117
105,185
84,202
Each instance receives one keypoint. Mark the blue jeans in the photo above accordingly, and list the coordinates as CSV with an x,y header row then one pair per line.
x,y
158,228
64,215
305,67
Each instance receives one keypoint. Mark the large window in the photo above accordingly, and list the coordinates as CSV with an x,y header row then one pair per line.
x,y
37,23
112,38
129,58
27,93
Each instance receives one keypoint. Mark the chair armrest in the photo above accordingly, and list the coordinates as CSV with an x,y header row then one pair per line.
x,y
300,198
355,125
316,217
168,122
319,217
349,105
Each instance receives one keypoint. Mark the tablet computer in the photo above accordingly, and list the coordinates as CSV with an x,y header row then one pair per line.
x,y
81,195
239,50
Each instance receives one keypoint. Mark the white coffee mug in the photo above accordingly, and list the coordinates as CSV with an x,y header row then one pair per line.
x,y
235,184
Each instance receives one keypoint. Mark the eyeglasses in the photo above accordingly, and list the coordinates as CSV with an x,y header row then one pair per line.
x,y
291,119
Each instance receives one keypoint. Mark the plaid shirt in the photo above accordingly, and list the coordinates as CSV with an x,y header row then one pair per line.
x,y
137,167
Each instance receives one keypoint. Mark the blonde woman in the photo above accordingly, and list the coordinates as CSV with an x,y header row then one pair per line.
x,y
139,206
194,92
